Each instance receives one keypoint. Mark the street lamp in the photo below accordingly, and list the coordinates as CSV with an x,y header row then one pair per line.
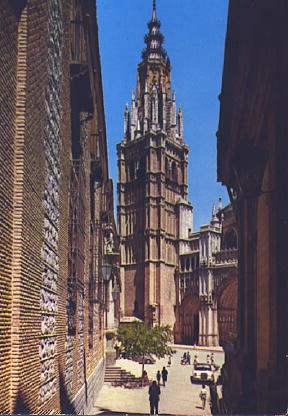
x,y
106,272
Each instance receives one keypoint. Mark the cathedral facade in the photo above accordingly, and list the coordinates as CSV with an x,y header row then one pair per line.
x,y
152,163
170,274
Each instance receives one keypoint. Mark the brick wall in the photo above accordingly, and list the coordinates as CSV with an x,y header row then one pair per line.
x,y
28,213
37,357
8,60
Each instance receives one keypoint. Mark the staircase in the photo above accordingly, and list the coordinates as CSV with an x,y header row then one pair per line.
x,y
119,377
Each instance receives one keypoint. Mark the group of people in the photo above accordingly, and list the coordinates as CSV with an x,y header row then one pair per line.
x,y
163,374
154,390
209,359
186,358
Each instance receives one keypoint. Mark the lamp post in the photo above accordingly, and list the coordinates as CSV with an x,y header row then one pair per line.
x,y
106,274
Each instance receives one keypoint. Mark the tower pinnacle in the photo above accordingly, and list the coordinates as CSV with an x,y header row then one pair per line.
x,y
154,39
154,11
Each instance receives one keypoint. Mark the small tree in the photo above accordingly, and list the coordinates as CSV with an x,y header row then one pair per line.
x,y
138,340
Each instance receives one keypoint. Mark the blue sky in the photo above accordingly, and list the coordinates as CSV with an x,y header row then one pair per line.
x,y
194,33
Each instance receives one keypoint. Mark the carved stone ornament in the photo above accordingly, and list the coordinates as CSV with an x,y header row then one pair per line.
x,y
108,240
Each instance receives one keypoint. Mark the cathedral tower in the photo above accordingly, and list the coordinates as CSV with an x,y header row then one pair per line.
x,y
152,185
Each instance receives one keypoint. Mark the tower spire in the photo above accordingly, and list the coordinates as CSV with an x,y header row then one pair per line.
x,y
154,11
154,39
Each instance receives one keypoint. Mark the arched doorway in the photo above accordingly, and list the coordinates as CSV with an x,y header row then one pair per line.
x,y
190,320
227,312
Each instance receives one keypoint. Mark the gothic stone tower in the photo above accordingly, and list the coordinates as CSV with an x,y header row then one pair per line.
x,y
152,166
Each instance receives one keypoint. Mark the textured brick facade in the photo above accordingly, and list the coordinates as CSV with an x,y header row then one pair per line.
x,y
8,58
51,110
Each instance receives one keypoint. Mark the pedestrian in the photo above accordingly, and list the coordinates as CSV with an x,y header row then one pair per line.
x,y
154,393
212,361
158,376
188,358
203,395
195,361
145,378
169,361
164,375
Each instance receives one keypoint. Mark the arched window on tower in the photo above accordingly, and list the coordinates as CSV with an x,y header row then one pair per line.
x,y
141,169
174,172
167,168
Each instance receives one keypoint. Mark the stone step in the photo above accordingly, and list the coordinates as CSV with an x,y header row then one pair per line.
x,y
119,375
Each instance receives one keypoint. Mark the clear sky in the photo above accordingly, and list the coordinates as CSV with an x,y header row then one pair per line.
x,y
194,33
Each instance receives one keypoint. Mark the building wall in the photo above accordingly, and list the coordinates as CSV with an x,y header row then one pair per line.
x,y
259,362
28,229
8,60
45,369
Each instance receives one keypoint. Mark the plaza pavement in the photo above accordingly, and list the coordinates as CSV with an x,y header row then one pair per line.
x,y
178,398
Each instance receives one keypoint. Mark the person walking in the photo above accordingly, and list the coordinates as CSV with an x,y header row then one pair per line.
x,y
169,361
203,395
158,377
164,375
195,361
154,393
212,358
188,358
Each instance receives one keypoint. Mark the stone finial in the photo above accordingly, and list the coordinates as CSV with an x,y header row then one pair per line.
x,y
154,11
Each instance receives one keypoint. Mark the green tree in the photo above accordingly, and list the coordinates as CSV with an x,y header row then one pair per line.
x,y
137,339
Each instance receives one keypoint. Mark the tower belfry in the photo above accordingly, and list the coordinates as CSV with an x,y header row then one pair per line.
x,y
152,166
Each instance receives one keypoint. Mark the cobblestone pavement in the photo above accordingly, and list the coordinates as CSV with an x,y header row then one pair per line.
x,y
178,398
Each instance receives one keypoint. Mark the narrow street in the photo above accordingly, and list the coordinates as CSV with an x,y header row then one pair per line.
x,y
133,217
179,397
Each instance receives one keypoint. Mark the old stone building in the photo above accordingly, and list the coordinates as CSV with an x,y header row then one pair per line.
x,y
170,274
55,204
152,165
206,282
252,163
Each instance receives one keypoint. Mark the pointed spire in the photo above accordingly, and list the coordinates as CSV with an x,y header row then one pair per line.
x,y
138,130
215,219
180,123
126,122
173,113
154,17
220,206
154,39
